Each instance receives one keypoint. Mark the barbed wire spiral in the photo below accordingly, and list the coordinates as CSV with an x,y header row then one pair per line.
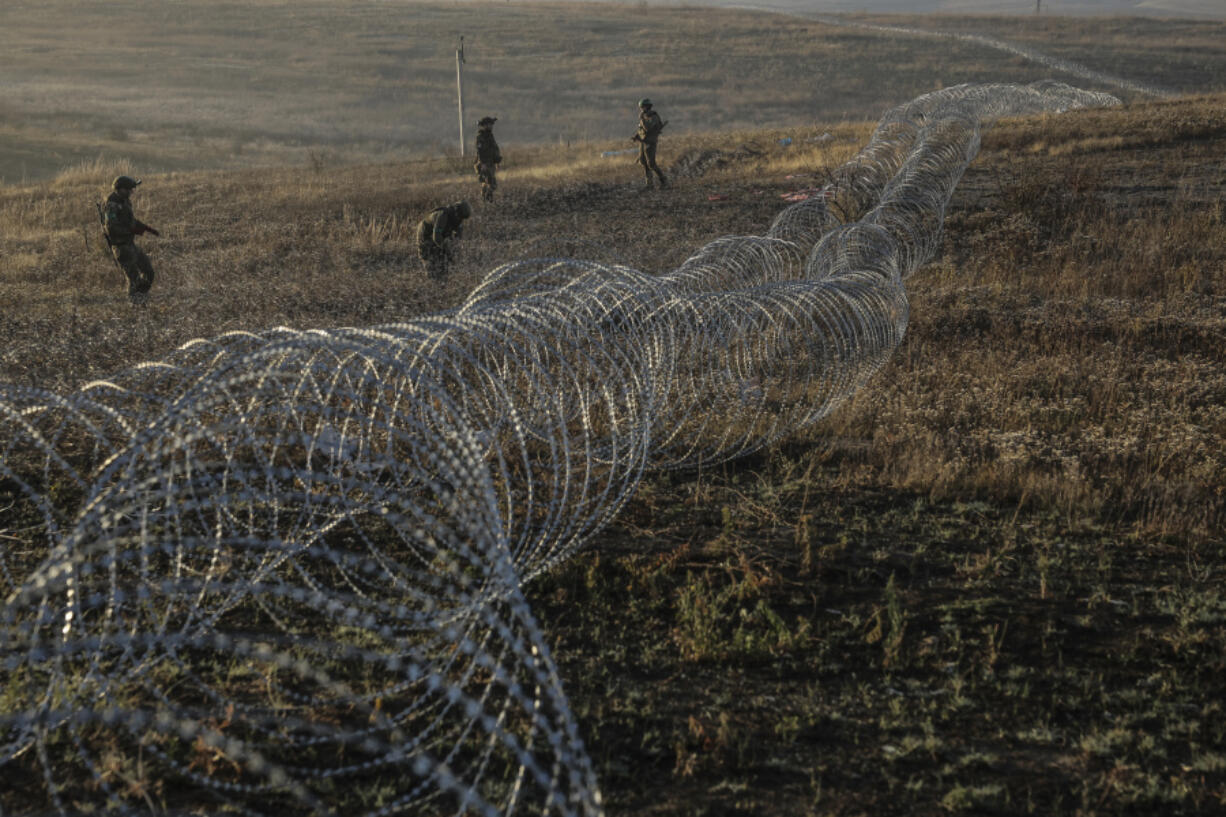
x,y
280,572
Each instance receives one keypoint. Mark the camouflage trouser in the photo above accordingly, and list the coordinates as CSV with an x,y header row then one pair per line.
x,y
647,158
137,267
489,181
434,258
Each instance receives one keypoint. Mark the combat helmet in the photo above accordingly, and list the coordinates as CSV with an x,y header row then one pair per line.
x,y
465,209
644,103
487,120
124,183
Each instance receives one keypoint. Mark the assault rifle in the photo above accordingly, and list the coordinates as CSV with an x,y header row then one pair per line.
x,y
637,138
106,237
139,228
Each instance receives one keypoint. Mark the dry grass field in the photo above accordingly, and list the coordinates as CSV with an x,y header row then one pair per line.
x,y
316,83
1181,55
992,583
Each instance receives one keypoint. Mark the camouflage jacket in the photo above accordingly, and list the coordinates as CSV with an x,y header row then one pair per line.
x,y
649,127
119,222
442,223
487,147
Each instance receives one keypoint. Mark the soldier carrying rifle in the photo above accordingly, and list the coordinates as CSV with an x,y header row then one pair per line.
x,y
120,226
647,135
488,157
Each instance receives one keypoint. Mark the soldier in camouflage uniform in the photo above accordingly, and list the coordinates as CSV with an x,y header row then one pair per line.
x,y
437,234
121,227
647,135
488,157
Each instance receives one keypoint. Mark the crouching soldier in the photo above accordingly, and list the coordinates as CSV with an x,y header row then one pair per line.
x,y
488,157
437,234
121,227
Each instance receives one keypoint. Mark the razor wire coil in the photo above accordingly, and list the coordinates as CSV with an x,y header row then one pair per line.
x,y
279,568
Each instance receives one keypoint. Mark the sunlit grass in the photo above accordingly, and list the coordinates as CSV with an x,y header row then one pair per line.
x,y
990,581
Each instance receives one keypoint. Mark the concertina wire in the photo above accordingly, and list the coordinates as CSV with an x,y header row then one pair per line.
x,y
281,572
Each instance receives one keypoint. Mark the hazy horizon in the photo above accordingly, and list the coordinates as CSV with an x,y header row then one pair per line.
x,y
1208,9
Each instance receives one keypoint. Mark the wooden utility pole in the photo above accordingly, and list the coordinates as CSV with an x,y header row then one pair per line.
x,y
459,89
